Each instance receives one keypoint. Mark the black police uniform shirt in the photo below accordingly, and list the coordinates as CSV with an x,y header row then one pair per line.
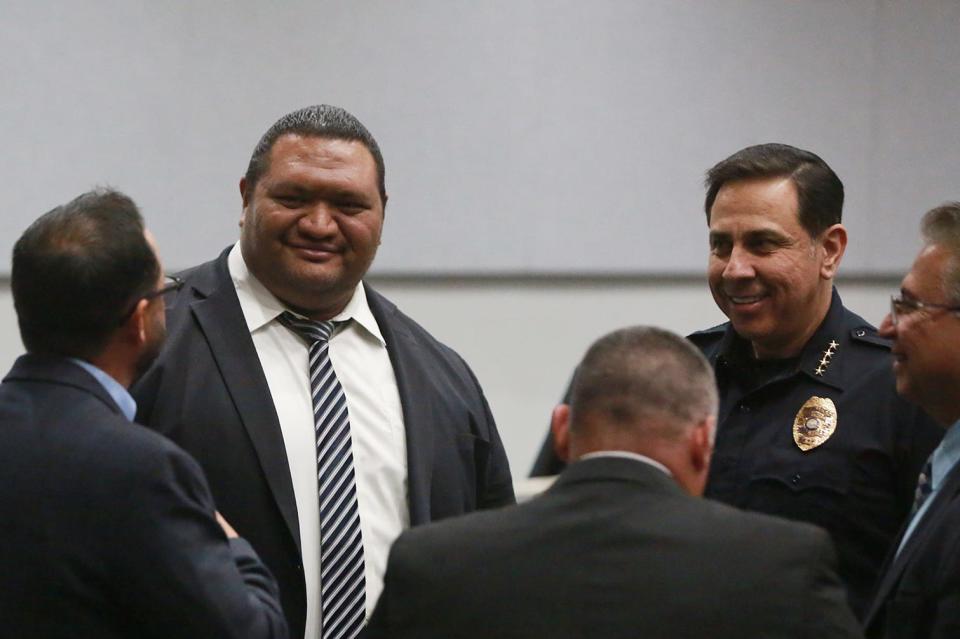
x,y
865,446
858,482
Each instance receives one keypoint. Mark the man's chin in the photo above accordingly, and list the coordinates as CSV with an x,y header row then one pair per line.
x,y
749,328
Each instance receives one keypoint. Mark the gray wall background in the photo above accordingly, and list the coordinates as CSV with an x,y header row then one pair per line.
x,y
544,158
521,137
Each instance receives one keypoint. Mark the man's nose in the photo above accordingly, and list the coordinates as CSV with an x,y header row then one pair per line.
x,y
739,265
319,220
887,328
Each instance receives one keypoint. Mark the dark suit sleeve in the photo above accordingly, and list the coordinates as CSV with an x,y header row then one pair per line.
x,y
400,595
495,487
827,613
180,577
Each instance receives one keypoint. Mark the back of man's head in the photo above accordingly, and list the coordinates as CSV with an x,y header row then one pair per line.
x,y
819,190
322,121
77,273
648,391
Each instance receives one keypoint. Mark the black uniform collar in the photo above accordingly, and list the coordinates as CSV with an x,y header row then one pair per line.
x,y
821,359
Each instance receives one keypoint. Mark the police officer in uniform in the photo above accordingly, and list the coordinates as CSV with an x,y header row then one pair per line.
x,y
810,425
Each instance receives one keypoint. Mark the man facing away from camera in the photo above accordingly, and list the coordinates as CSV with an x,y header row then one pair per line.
x,y
621,545
107,529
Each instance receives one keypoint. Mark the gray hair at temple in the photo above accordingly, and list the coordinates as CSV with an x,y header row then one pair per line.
x,y
941,226
321,121
645,380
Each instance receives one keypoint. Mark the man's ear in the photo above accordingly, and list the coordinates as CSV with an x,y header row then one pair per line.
x,y
135,328
701,444
833,243
244,200
560,427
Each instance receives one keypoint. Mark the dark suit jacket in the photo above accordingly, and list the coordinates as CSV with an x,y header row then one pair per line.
x,y
208,393
919,593
107,529
613,549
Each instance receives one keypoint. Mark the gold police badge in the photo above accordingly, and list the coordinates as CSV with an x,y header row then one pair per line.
x,y
815,422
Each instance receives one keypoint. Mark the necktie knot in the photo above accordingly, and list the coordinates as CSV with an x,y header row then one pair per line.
x,y
311,331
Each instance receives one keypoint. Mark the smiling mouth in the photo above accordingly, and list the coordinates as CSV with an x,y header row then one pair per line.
x,y
314,252
745,299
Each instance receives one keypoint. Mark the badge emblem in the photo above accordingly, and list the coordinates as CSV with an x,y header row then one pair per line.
x,y
815,422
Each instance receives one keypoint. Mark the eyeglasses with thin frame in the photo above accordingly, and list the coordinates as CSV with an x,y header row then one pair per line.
x,y
171,283
901,307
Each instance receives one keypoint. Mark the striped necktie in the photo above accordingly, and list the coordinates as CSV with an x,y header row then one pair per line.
x,y
924,487
342,581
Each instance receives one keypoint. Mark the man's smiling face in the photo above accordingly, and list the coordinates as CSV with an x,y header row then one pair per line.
x,y
766,273
312,225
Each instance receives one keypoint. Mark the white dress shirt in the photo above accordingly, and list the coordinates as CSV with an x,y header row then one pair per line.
x,y
359,356
623,454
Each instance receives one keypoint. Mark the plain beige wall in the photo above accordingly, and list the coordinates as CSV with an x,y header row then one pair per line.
x,y
523,337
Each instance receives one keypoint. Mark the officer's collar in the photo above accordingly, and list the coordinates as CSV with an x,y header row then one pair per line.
x,y
821,359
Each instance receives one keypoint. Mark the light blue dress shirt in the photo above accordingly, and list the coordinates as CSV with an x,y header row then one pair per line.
x,y
119,394
944,457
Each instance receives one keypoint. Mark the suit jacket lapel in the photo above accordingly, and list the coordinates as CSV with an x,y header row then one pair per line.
x,y
925,528
416,395
221,320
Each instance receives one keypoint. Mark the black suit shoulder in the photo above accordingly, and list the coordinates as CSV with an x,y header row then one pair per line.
x,y
114,533
606,559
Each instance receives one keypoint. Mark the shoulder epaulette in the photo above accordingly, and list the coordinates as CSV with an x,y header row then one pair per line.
x,y
868,335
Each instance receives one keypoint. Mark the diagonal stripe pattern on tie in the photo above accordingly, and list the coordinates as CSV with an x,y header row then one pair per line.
x,y
342,581
924,486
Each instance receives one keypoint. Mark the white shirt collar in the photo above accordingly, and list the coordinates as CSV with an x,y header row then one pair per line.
x,y
628,455
260,306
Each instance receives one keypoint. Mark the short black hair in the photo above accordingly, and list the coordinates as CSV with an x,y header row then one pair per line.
x,y
819,190
322,121
77,272
643,379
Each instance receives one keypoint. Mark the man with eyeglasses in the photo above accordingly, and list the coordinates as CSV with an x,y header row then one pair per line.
x,y
810,426
107,529
919,593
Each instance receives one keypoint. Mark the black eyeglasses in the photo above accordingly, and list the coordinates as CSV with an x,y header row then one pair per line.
x,y
901,307
171,283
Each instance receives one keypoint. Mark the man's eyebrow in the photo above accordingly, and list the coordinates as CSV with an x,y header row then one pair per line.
x,y
288,185
766,234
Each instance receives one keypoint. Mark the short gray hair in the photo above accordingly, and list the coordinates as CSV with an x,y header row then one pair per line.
x,y
941,226
640,379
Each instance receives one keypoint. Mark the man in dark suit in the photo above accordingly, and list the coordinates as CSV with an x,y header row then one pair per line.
x,y
107,530
918,595
621,545
243,381
810,425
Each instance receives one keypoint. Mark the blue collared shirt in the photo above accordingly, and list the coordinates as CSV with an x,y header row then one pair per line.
x,y
944,458
119,394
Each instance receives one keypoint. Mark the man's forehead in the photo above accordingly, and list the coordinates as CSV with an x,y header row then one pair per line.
x,y
305,145
925,277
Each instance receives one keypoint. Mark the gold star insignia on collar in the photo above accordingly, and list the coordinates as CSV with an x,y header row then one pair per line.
x,y
828,353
